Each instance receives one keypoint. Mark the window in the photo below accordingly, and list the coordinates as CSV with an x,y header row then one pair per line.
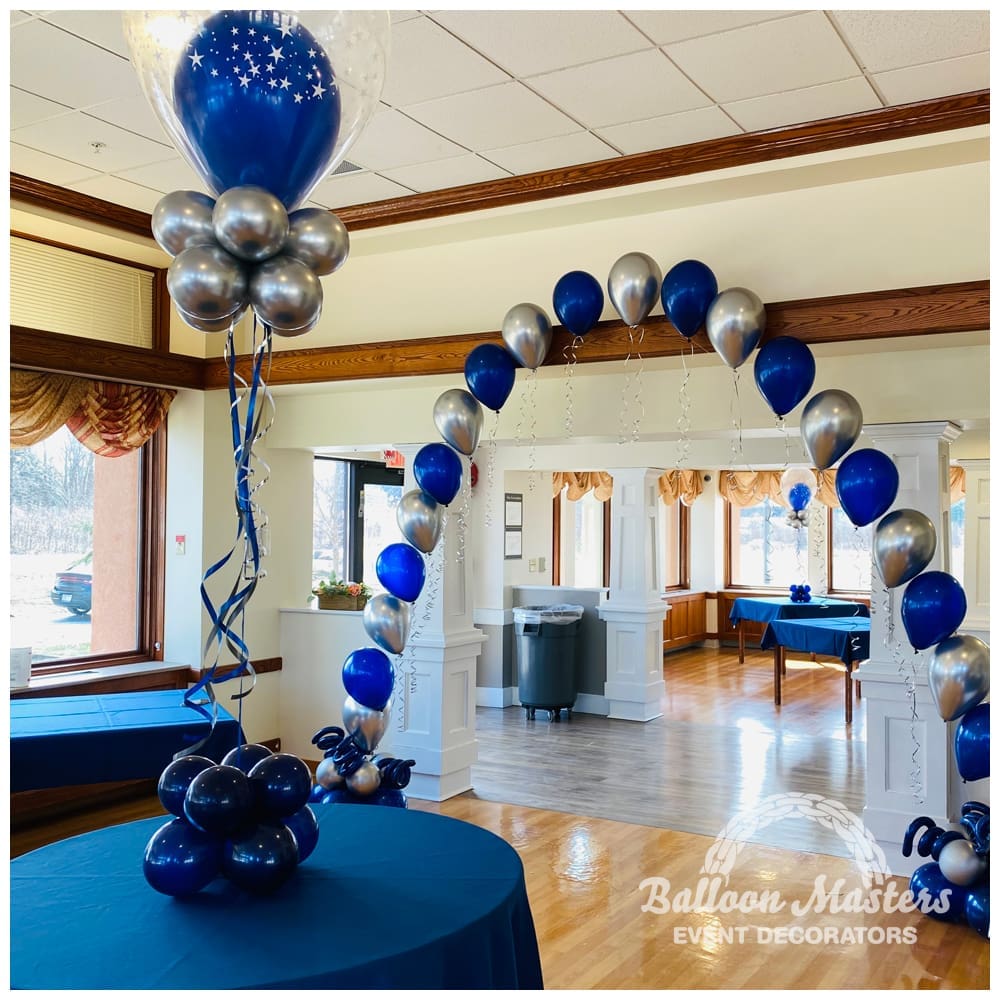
x,y
763,549
582,531
958,539
850,555
674,526
85,553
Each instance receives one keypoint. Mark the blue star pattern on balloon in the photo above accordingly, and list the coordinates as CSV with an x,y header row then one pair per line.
x,y
259,103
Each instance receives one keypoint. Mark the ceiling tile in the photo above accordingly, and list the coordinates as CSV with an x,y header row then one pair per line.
x,y
793,106
670,130
102,27
47,61
890,39
529,42
468,169
356,189
402,15
25,108
20,16
788,54
43,167
624,89
392,140
133,114
550,154
428,62
936,79
665,26
71,141
119,192
168,175
487,118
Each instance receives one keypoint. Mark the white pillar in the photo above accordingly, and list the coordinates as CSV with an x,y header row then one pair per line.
x,y
437,725
920,452
975,572
635,609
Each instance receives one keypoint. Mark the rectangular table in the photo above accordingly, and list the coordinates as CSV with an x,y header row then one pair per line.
x,y
849,639
767,609
110,737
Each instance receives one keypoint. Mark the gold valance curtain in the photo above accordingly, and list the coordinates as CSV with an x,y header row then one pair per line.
x,y
109,418
680,484
579,484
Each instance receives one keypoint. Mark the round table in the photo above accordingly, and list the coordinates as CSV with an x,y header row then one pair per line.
x,y
390,899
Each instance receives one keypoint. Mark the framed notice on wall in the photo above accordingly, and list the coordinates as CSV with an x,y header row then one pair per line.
x,y
513,510
512,543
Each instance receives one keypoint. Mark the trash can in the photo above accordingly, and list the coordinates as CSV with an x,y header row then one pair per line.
x,y
546,657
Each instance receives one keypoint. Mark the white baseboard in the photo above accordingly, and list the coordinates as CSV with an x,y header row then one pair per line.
x,y
591,704
488,697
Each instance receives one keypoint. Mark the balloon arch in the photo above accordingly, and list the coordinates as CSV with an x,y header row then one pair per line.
x,y
263,105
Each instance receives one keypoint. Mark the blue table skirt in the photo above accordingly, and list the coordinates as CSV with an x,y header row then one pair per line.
x,y
390,899
848,639
109,737
767,609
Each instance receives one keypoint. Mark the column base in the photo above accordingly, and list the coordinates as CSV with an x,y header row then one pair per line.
x,y
438,787
634,711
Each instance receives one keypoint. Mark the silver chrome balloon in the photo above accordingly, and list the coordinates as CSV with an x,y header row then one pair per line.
x,y
960,864
903,545
286,295
958,675
183,219
318,238
207,283
420,519
735,323
459,419
365,780
212,325
327,774
250,223
831,422
634,286
366,725
527,332
387,622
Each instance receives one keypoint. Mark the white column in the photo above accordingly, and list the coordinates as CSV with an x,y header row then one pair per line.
x,y
975,573
920,452
635,610
436,727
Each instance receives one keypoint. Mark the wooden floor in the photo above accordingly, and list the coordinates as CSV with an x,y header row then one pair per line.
x,y
721,746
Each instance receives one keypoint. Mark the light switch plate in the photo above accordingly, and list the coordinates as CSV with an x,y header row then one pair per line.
x,y
532,565
541,564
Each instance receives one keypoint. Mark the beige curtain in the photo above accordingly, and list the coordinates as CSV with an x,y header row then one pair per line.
x,y
109,418
680,484
579,484
826,492
746,489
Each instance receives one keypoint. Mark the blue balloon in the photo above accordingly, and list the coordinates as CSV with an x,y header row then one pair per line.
x,y
799,496
369,677
281,784
400,569
489,373
933,607
244,757
977,909
784,370
248,125
578,300
867,482
180,859
381,797
317,794
941,899
219,800
972,744
687,292
260,859
305,830
438,471
176,778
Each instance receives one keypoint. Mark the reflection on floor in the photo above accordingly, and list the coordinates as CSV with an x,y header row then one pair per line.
x,y
720,748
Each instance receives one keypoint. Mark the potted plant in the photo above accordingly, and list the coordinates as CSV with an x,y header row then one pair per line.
x,y
340,595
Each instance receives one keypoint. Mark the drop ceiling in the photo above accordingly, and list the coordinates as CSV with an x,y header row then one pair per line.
x,y
475,96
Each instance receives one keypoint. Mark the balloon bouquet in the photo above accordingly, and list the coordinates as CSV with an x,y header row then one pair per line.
x,y
263,104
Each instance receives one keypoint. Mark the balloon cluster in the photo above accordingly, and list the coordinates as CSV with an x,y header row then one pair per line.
x,y
798,486
954,886
800,593
246,819
245,250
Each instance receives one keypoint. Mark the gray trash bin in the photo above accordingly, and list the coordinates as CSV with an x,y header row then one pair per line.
x,y
546,657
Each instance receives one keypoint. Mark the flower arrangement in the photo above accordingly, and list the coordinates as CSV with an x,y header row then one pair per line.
x,y
341,595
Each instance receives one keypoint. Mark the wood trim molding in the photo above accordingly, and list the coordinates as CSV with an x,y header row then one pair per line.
x,y
557,539
900,312
880,125
268,665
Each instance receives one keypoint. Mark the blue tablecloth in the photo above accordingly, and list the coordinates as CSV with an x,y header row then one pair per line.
x,y
390,899
107,737
767,609
846,638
